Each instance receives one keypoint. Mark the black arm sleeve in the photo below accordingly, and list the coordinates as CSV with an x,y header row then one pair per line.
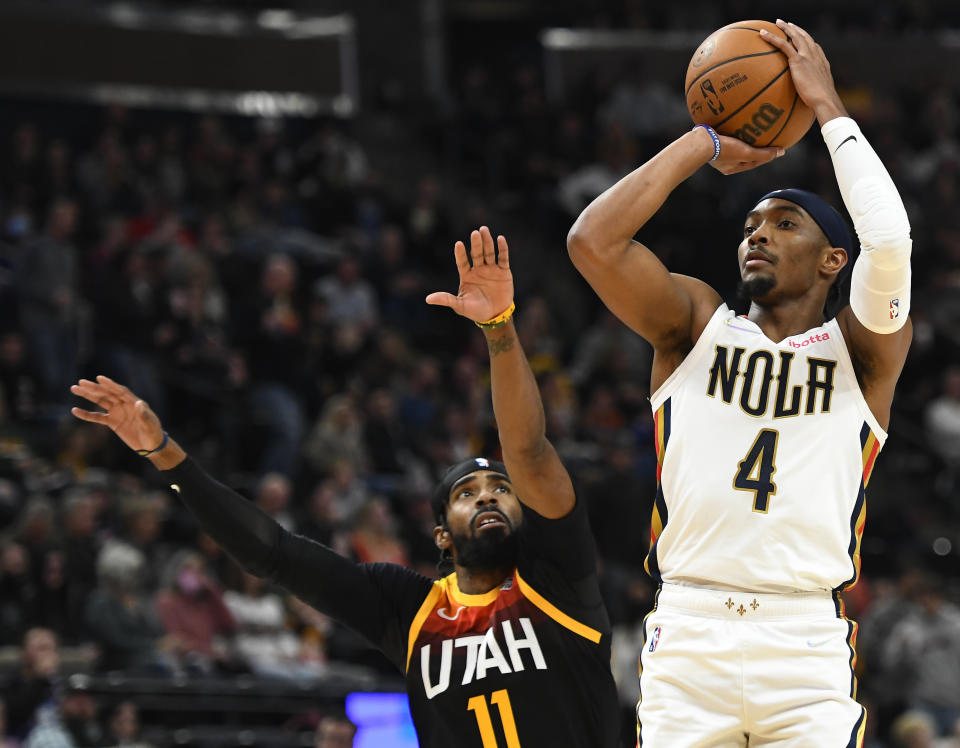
x,y
378,601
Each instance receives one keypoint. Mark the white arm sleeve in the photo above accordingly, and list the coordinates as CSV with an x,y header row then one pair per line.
x,y
880,284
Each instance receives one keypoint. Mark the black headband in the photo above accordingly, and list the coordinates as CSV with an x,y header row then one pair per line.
x,y
826,217
441,494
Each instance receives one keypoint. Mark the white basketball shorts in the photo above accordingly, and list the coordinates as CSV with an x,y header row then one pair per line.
x,y
719,669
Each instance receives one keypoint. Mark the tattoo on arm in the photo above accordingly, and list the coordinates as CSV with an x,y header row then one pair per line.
x,y
499,345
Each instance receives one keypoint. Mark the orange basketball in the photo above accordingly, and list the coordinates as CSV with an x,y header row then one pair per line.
x,y
740,85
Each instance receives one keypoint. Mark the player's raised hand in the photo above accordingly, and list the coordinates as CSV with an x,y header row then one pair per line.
x,y
736,156
809,69
486,283
130,417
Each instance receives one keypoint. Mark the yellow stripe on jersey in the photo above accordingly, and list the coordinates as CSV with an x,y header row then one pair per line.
x,y
656,521
449,583
869,454
858,534
656,525
429,602
659,441
556,614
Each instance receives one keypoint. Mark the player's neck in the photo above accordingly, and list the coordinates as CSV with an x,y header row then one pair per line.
x,y
784,318
478,581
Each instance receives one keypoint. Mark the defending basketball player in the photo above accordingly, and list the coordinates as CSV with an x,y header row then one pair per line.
x,y
510,649
767,428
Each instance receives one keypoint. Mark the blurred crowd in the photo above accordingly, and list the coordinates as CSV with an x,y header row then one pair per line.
x,y
260,283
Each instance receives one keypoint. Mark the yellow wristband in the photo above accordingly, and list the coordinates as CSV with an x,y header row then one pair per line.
x,y
500,320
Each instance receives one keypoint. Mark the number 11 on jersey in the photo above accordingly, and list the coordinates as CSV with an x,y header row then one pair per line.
x,y
501,700
756,469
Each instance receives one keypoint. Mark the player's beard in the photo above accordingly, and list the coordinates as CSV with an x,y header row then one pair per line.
x,y
496,548
755,288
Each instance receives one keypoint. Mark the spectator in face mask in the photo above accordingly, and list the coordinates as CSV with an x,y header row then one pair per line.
x,y
191,607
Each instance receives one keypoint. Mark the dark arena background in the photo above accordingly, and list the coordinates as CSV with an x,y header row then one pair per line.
x,y
237,208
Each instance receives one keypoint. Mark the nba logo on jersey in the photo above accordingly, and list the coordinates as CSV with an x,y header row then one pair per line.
x,y
655,638
894,308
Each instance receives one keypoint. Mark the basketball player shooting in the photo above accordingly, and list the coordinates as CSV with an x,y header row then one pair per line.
x,y
512,647
767,429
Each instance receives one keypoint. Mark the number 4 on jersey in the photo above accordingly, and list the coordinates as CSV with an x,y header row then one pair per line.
x,y
755,472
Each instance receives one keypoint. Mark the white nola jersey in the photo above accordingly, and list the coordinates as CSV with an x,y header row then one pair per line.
x,y
764,450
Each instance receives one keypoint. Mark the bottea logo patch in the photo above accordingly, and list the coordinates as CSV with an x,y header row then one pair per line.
x,y
655,638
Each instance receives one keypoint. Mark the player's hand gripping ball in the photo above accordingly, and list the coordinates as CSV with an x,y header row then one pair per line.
x,y
740,85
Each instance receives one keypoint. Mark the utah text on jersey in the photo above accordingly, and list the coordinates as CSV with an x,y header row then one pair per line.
x,y
485,670
482,655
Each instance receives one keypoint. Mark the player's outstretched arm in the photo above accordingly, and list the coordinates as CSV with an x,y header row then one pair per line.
x,y
316,574
875,324
627,276
486,293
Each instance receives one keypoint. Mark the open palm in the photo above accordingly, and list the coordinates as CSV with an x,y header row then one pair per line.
x,y
486,285
130,417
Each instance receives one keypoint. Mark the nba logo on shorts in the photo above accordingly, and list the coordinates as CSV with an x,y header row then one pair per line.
x,y
894,308
655,638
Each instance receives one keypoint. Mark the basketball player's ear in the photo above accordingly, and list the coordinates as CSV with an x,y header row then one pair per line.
x,y
441,536
834,260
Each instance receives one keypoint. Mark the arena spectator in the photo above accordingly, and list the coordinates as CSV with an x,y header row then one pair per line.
x,y
267,328
337,434
350,494
263,641
374,537
80,547
123,728
350,298
915,729
121,620
48,281
942,419
334,731
21,390
33,682
321,519
926,644
70,722
273,496
51,607
141,518
191,607
36,530
18,592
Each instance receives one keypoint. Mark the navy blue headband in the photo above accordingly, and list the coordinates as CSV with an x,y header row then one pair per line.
x,y
827,218
441,494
